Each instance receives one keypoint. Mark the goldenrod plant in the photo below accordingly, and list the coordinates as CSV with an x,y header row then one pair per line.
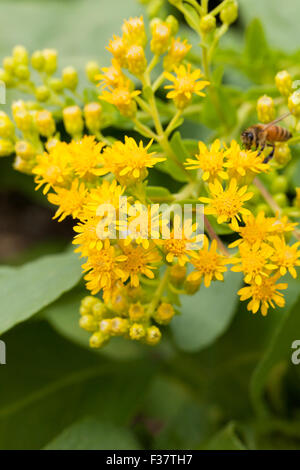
x,y
188,135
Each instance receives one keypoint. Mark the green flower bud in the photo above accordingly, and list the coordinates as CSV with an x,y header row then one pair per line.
x,y
177,274
20,55
164,313
229,13
38,60
50,57
97,340
72,117
279,184
92,69
8,64
98,310
265,109
87,304
207,24
7,129
6,147
6,77
70,78
42,93
173,23
88,323
92,115
294,104
284,83
45,123
282,154
263,207
281,199
22,72
25,150
119,326
56,85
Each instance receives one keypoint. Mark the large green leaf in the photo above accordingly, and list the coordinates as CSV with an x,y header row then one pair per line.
x,y
48,383
207,314
279,350
90,434
27,289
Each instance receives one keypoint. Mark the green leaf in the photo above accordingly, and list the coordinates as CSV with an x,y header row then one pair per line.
x,y
207,314
256,43
157,192
169,166
48,383
24,291
279,349
90,434
226,439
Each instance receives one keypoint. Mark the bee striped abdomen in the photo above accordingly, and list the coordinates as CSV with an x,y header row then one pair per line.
x,y
278,134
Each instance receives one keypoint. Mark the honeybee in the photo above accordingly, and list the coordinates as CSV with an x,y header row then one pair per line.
x,y
260,135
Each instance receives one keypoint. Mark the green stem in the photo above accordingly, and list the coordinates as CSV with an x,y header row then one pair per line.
x,y
173,122
213,236
159,292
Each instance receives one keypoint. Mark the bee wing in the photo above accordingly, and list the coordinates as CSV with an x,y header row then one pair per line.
x,y
276,121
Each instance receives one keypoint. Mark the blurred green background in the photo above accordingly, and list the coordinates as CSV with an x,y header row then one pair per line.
x,y
207,385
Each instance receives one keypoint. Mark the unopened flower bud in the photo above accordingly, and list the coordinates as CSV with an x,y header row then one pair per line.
x,y
98,339
136,60
6,77
153,335
118,49
88,323
6,147
20,55
25,150
70,78
105,326
137,331
98,310
45,123
7,129
23,166
294,104
279,184
191,287
281,199
161,36
42,93
282,154
92,69
173,23
119,326
137,312
87,304
38,60
92,115
8,64
72,117
177,52
265,109
164,313
22,72
177,274
283,82
229,13
24,120
207,24
56,85
50,65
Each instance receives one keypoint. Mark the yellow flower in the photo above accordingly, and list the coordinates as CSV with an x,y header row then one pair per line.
x,y
210,161
264,295
53,168
282,225
87,237
185,83
86,156
105,193
227,204
177,52
256,229
123,98
117,48
244,163
265,109
134,31
112,77
254,262
70,201
286,257
104,269
209,264
138,261
128,161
